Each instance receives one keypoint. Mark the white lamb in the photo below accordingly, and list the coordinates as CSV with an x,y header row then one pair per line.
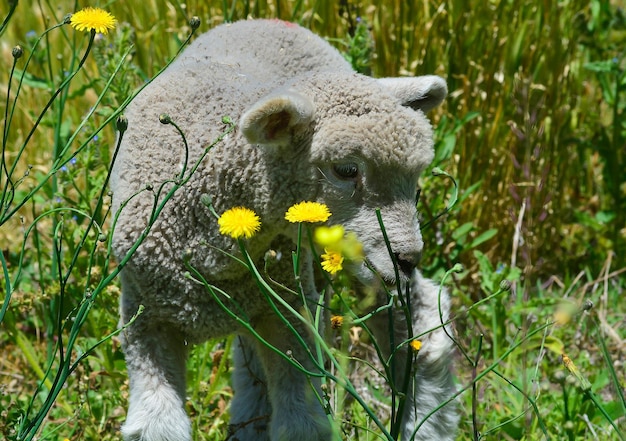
x,y
309,128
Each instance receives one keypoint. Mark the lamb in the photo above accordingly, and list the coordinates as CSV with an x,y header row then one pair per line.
x,y
309,129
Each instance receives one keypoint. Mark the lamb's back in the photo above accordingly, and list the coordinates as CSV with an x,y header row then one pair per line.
x,y
270,50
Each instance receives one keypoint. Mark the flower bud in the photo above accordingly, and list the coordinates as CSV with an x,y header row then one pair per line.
x,y
17,52
194,22
206,199
121,123
164,118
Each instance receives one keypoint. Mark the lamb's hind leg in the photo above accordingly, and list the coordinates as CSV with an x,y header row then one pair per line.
x,y
156,359
431,383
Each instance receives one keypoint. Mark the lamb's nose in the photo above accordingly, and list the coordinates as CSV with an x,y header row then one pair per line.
x,y
407,262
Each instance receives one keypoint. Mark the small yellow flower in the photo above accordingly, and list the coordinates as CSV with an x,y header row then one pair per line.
x,y
239,222
332,261
416,345
307,212
96,19
329,236
562,318
336,238
564,313
336,321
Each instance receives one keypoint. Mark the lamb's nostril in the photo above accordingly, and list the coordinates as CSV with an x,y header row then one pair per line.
x,y
407,262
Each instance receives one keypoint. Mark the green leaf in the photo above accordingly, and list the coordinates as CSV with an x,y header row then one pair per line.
x,y
33,81
605,217
601,66
484,237
462,231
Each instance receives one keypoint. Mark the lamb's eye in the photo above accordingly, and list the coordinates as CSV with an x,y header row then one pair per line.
x,y
347,170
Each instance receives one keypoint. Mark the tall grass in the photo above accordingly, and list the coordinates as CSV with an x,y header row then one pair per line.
x,y
533,131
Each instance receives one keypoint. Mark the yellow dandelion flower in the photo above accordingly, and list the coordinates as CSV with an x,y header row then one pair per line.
x,y
239,222
332,261
416,345
328,236
96,19
562,318
336,321
307,212
565,312
336,238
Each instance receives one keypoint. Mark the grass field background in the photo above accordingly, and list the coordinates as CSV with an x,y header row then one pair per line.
x,y
533,131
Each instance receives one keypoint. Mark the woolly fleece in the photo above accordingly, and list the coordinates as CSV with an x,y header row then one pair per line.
x,y
309,128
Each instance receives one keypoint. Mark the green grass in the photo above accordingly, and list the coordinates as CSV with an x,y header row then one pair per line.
x,y
533,132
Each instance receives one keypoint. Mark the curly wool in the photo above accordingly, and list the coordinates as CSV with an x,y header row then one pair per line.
x,y
302,112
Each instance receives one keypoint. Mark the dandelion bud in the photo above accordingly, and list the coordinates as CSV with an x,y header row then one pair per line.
x,y
457,268
149,187
102,237
227,120
164,118
206,199
505,285
194,22
587,305
67,19
17,52
188,254
121,123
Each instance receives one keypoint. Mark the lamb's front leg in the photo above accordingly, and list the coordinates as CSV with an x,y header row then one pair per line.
x,y
155,358
295,398
250,410
431,383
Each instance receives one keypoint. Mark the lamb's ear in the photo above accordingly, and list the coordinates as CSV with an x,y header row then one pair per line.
x,y
272,119
424,93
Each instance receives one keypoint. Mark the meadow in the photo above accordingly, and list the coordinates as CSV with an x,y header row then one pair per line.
x,y
526,227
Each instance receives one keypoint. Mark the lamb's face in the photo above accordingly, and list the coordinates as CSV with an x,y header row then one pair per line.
x,y
369,141
368,163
